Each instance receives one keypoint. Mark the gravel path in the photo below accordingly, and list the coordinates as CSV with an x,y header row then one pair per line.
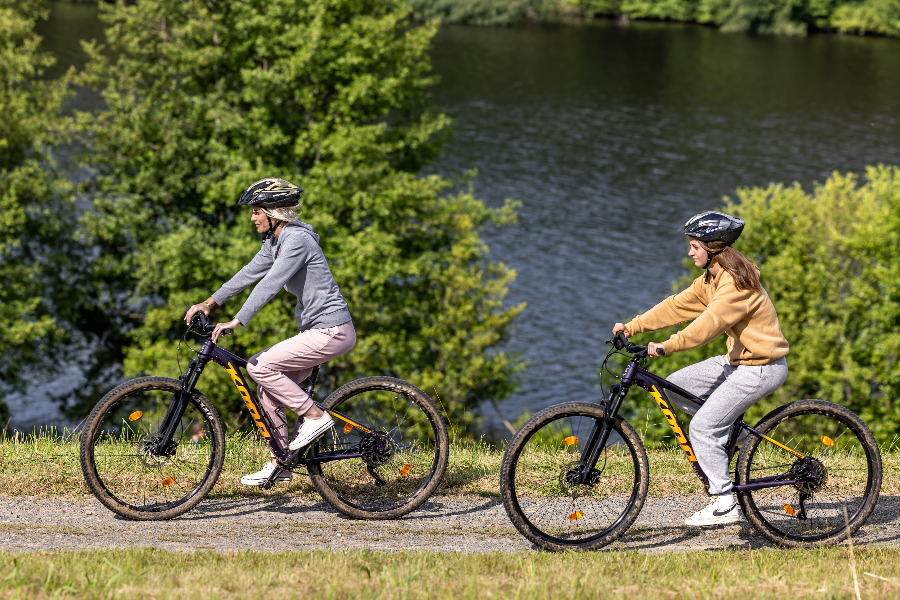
x,y
473,524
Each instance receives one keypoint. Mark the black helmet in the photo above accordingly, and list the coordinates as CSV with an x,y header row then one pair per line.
x,y
271,192
713,226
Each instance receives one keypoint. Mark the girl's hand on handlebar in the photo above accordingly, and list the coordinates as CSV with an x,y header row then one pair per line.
x,y
220,327
653,349
194,310
620,327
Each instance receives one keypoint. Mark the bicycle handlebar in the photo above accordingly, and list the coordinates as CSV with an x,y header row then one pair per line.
x,y
199,320
620,342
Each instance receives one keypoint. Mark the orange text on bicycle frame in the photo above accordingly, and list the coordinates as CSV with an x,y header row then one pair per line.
x,y
673,423
254,412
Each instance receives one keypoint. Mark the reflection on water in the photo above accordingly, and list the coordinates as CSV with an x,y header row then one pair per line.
x,y
612,138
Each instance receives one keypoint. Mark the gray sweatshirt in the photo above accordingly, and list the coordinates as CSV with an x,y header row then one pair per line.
x,y
296,263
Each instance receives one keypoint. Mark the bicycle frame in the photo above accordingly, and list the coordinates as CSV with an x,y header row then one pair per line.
x,y
234,364
656,386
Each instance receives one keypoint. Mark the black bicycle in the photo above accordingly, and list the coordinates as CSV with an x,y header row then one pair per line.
x,y
575,476
153,447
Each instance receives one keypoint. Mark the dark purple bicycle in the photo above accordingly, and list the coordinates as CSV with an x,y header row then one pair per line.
x,y
576,475
154,447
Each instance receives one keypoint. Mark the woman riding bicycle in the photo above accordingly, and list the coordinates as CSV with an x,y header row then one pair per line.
x,y
727,299
290,258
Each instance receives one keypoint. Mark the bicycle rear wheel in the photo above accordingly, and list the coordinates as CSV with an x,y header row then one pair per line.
x,y
842,469
544,502
119,466
412,435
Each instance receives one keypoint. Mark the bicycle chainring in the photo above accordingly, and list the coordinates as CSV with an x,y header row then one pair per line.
x,y
378,448
811,473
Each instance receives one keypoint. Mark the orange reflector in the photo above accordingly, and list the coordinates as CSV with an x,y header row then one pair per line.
x,y
827,440
136,415
404,471
570,440
348,428
576,515
789,509
168,481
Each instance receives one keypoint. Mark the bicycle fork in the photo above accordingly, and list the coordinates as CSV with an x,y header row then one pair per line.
x,y
165,446
600,432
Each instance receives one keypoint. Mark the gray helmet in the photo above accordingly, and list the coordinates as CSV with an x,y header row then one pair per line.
x,y
713,226
271,192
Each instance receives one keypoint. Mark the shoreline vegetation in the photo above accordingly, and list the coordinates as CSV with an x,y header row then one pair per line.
x,y
773,17
765,17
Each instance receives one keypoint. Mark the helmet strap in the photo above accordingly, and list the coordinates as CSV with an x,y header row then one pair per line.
x,y
271,232
710,255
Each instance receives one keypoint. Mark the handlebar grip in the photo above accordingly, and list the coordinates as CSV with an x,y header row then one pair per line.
x,y
620,341
660,351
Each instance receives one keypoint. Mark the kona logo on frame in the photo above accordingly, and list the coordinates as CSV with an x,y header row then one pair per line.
x,y
254,412
673,423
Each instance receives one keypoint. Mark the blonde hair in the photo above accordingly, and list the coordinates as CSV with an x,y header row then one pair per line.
x,y
288,214
742,269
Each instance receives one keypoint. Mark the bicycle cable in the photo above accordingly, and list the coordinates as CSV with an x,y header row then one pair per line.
x,y
178,348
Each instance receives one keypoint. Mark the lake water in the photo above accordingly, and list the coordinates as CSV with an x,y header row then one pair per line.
x,y
612,137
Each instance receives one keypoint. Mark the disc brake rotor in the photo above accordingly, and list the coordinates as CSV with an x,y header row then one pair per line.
x,y
146,455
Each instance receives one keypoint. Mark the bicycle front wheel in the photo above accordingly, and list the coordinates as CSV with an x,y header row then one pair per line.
x,y
405,453
540,491
840,470
118,462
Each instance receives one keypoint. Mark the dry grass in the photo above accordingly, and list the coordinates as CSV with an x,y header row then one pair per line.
x,y
46,464
147,573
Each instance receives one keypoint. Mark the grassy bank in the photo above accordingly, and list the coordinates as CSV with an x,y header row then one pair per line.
x,y
46,464
786,17
155,573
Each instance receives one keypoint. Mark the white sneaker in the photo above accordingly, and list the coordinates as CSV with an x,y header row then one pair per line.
x,y
260,477
722,509
310,430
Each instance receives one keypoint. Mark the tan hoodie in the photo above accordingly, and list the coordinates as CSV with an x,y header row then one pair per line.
x,y
747,317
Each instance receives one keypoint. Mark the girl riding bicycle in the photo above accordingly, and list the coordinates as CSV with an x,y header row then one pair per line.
x,y
727,299
290,258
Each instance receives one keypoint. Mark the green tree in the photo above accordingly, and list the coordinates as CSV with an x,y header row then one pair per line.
x,y
34,198
830,261
204,97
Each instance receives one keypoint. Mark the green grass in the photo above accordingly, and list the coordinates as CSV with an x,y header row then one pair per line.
x,y
46,464
147,573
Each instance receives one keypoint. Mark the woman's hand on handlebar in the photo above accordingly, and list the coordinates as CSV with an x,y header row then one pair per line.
x,y
620,327
653,349
194,310
220,327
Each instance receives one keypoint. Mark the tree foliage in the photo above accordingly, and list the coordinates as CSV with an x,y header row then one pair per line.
x,y
206,96
830,261
34,199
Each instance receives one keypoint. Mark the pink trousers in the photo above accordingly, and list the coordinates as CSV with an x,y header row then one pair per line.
x,y
280,369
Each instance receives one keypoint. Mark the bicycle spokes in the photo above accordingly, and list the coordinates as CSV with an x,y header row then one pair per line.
x,y
127,461
832,474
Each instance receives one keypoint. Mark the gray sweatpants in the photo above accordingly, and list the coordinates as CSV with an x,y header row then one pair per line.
x,y
731,391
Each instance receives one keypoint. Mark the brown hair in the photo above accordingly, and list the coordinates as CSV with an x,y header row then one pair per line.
x,y
742,269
